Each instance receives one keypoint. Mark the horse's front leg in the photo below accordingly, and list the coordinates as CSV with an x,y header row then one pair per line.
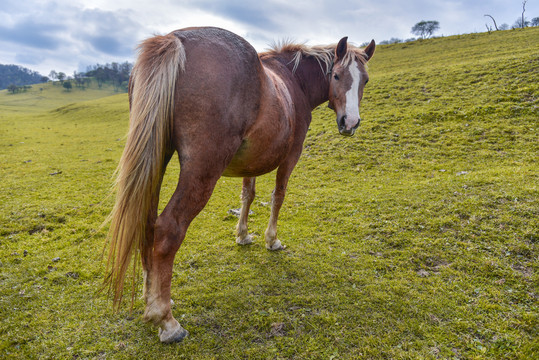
x,y
247,196
277,198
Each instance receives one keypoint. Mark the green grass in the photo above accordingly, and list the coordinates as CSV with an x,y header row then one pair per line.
x,y
417,238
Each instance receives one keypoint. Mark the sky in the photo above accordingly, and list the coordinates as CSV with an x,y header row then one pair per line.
x,y
70,35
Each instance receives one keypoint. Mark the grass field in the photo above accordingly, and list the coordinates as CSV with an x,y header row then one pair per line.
x,y
415,239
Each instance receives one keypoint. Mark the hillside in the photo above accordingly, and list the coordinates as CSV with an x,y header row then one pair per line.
x,y
43,97
414,239
18,75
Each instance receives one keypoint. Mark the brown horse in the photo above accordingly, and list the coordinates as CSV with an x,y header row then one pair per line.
x,y
226,110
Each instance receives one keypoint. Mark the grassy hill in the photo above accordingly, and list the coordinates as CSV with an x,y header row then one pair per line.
x,y
417,238
47,96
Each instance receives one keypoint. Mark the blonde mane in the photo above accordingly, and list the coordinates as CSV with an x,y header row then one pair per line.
x,y
323,54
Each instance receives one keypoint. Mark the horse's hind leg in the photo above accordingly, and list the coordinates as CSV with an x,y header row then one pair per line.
x,y
192,193
247,196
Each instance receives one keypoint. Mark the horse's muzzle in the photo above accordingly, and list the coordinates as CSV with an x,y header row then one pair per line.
x,y
344,129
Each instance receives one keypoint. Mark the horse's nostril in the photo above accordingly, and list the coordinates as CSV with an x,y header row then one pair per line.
x,y
342,121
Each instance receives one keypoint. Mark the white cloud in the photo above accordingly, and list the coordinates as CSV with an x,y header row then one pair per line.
x,y
69,35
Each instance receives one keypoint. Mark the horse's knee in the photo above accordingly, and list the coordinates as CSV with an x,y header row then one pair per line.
x,y
248,190
248,194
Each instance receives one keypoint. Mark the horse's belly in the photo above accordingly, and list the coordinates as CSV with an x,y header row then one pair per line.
x,y
255,158
247,170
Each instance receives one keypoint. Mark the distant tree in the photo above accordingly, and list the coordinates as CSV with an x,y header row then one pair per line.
x,y
535,21
53,75
504,26
520,24
425,29
67,85
61,76
390,41
79,79
100,76
44,79
12,88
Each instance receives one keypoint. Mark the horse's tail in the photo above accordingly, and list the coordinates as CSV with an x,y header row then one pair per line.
x,y
141,168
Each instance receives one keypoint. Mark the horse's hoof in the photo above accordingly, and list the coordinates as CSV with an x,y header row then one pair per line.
x,y
174,335
245,241
275,246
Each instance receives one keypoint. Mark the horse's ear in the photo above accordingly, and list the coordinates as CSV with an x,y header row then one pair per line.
x,y
340,50
369,50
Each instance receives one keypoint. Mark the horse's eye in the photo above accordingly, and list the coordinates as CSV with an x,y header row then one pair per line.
x,y
336,77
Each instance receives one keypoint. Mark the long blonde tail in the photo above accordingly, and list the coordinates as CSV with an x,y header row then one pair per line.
x,y
141,168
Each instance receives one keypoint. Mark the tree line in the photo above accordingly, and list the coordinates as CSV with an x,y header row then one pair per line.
x,y
18,77
116,74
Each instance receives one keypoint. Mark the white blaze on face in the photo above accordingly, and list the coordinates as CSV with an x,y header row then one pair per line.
x,y
352,97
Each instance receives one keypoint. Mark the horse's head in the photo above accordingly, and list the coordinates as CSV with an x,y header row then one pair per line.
x,y
346,84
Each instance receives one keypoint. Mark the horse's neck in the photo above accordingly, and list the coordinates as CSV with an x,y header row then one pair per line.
x,y
310,76
313,80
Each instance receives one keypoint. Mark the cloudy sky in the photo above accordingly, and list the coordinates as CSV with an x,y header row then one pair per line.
x,y
69,35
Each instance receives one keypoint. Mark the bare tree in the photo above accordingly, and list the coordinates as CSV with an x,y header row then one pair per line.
x,y
494,21
523,11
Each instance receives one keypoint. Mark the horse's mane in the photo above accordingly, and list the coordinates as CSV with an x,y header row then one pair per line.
x,y
324,54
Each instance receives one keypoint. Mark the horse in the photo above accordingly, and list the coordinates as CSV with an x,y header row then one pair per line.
x,y
226,110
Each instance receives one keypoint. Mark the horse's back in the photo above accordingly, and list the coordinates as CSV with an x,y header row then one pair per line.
x,y
222,41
